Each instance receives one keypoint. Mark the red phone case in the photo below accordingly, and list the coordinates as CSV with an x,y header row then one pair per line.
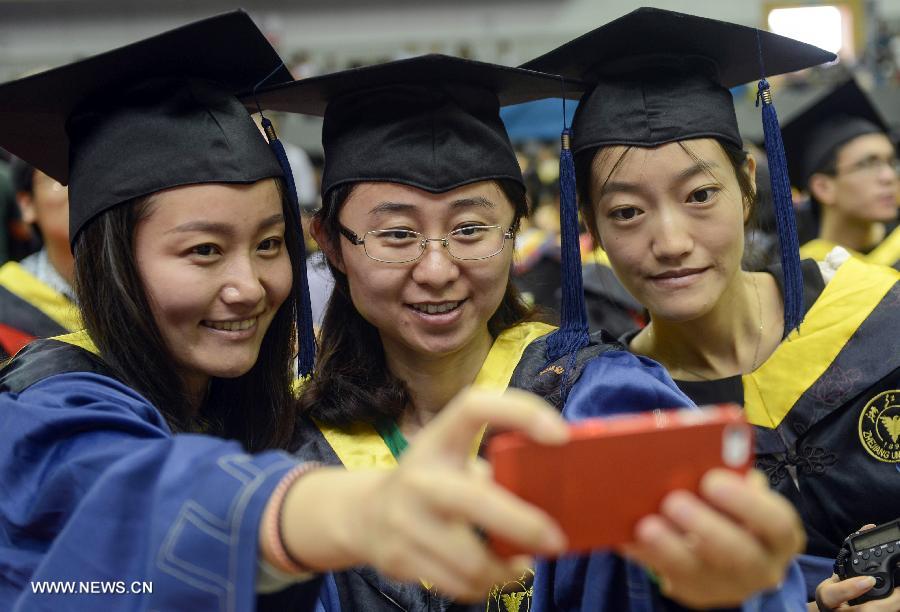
x,y
616,470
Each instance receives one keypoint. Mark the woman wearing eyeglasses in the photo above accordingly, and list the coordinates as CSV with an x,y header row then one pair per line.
x,y
422,196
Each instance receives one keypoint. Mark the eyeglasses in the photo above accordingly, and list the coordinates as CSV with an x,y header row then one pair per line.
x,y
468,243
872,165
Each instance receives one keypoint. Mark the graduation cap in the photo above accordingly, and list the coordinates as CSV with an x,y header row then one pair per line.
x,y
813,135
658,76
155,114
431,122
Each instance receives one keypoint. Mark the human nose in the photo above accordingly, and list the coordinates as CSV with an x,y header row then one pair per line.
x,y
889,170
435,267
672,238
243,285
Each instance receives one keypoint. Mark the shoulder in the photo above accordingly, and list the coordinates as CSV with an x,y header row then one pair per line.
x,y
618,381
86,393
47,357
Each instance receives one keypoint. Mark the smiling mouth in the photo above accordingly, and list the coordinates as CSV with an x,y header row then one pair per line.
x,y
440,308
231,325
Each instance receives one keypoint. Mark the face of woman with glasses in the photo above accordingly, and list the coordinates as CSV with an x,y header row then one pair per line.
x,y
865,183
428,270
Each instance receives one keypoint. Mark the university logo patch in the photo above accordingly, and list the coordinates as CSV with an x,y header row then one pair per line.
x,y
879,426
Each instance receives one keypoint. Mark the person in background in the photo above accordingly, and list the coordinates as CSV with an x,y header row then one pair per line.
x,y
839,152
36,295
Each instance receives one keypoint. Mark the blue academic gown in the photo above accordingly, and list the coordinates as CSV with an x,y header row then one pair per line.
x,y
618,382
94,487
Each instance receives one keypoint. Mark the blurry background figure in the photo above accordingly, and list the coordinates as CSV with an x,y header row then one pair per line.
x,y
534,129
36,296
760,234
840,153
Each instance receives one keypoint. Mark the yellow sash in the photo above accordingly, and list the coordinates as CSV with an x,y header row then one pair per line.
x,y
887,253
79,339
361,447
847,300
55,305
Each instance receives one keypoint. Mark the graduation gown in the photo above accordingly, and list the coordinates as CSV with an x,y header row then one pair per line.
x,y
826,405
886,253
30,309
95,489
605,380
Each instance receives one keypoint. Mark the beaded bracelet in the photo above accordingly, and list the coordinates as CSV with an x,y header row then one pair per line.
x,y
281,558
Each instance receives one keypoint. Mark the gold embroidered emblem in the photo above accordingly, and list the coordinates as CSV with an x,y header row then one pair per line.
x,y
554,368
514,596
879,426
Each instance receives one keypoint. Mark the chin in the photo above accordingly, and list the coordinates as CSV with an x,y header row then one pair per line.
x,y
229,370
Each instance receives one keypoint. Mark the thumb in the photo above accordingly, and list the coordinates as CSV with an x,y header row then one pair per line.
x,y
451,435
832,594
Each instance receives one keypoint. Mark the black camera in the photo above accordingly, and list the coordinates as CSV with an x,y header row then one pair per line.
x,y
874,552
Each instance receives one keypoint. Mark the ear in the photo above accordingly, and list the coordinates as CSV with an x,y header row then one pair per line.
x,y
332,251
26,207
822,188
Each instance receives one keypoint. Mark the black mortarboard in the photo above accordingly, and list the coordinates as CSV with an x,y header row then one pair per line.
x,y
814,133
658,76
155,114
431,122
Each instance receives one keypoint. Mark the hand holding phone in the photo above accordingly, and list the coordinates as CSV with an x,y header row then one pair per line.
x,y
616,470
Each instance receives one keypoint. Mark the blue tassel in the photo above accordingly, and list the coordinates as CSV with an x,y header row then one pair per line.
x,y
572,334
784,211
307,341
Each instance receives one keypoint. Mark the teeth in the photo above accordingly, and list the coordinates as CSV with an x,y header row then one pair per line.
x,y
232,325
436,308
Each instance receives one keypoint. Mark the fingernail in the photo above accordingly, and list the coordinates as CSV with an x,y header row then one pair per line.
x,y
864,583
552,429
554,540
680,508
648,529
718,486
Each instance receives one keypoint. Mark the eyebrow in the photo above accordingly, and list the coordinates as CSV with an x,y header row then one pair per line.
x,y
224,229
691,171
385,207
478,201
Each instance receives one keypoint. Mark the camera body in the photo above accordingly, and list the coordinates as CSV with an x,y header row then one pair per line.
x,y
874,552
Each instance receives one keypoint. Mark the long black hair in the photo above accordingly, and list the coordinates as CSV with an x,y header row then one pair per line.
x,y
257,408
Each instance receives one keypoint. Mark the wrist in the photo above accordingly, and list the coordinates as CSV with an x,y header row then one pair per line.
x,y
273,547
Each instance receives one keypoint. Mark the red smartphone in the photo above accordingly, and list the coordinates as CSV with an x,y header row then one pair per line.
x,y
616,470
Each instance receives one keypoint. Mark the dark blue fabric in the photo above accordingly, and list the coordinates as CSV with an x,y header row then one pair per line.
x,y
815,569
94,487
618,382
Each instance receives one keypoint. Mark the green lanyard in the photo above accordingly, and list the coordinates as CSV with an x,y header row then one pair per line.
x,y
393,437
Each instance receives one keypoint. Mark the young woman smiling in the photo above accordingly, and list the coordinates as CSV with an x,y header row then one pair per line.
x,y
422,195
668,194
139,456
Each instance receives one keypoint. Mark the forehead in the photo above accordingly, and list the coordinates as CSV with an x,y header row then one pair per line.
x,y
370,195
864,146
222,202
623,162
